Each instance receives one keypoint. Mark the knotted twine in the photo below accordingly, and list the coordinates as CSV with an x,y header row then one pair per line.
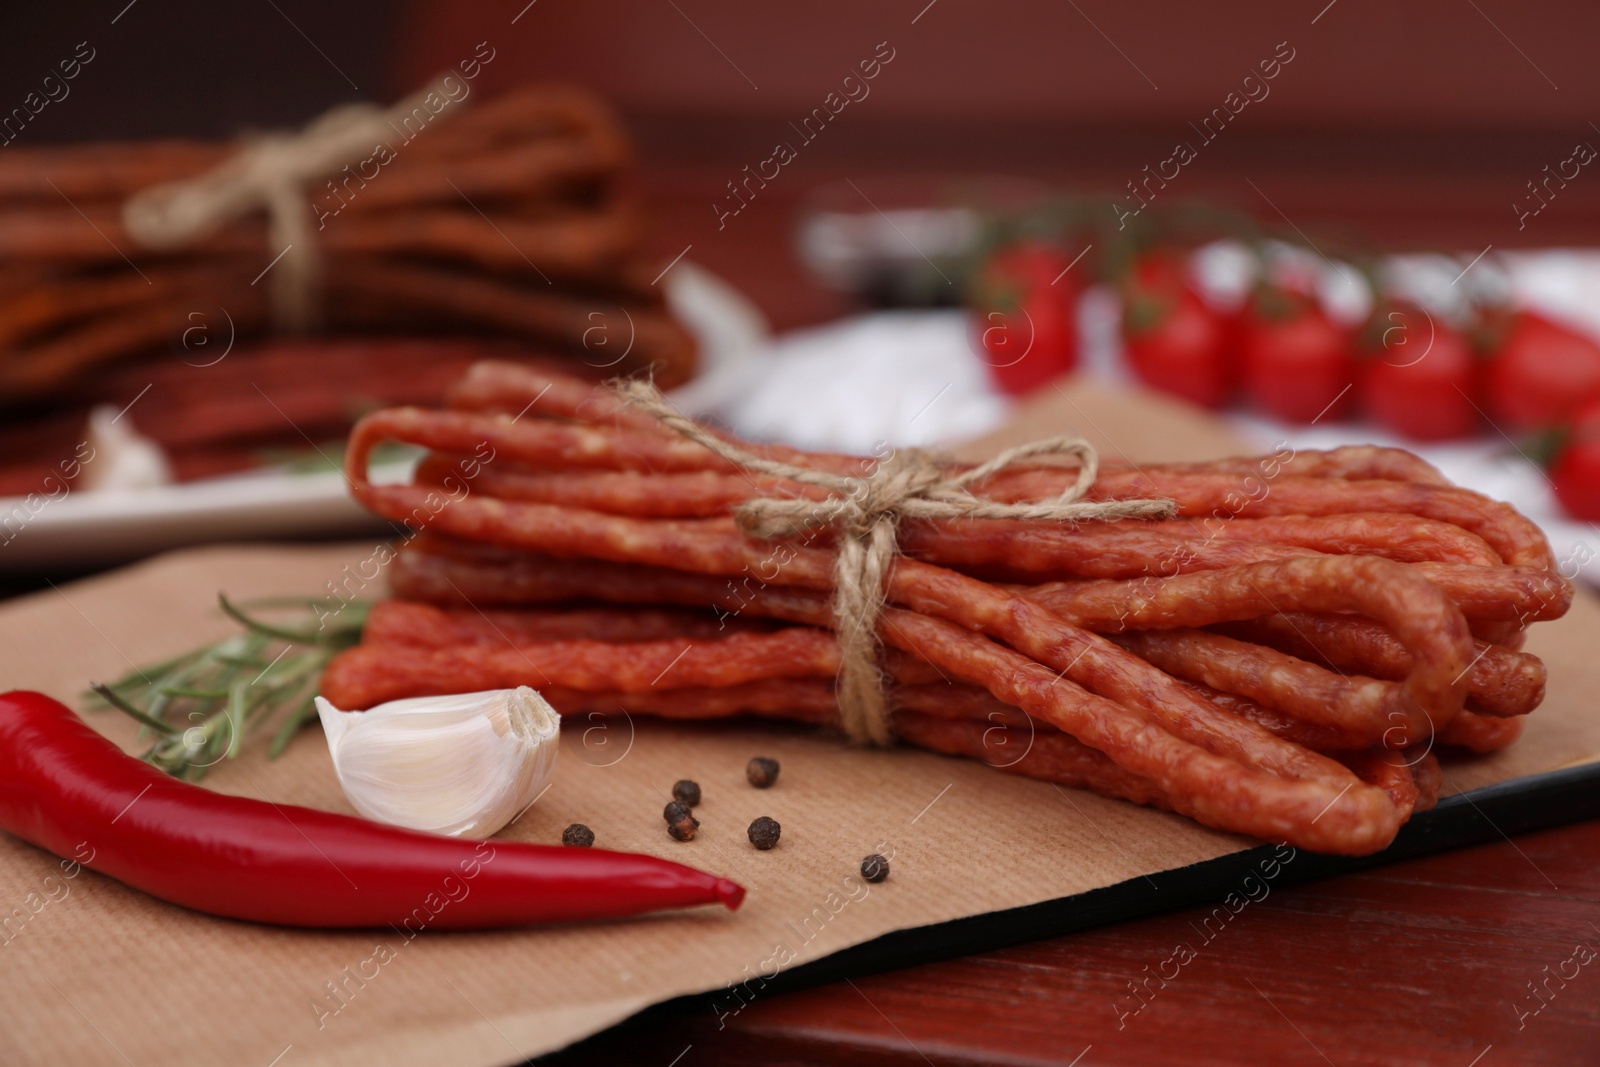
x,y
272,171
863,514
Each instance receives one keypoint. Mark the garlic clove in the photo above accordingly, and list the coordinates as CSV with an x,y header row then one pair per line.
x,y
122,457
462,765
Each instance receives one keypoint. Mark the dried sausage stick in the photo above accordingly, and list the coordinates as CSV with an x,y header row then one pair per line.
x,y
1502,682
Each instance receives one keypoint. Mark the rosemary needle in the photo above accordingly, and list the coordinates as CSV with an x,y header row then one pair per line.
x,y
204,704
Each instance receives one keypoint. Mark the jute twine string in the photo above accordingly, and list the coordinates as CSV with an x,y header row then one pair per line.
x,y
272,171
863,513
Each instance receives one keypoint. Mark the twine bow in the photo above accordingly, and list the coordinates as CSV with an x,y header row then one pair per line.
x,y
863,513
272,171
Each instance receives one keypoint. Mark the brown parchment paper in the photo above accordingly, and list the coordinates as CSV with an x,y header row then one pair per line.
x,y
94,973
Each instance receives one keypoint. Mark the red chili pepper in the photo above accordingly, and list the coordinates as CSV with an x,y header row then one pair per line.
x,y
66,789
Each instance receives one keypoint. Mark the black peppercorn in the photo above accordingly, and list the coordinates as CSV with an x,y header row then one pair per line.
x,y
686,792
675,810
683,827
761,772
577,836
874,868
764,832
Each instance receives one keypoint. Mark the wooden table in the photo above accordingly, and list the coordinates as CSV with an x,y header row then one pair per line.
x,y
1424,962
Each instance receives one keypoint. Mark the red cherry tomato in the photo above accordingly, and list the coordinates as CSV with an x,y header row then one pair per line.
x,y
1026,315
1417,375
1575,470
1296,361
1174,341
1540,372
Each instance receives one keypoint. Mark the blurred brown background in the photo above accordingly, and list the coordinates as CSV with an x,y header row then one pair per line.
x,y
1417,124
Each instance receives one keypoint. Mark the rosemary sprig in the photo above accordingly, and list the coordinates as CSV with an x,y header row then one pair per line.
x,y
201,706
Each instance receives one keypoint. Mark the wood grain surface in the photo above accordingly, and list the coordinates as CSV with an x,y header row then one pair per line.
x,y
1433,962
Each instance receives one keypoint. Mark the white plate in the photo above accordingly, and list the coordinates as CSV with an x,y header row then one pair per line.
x,y
90,528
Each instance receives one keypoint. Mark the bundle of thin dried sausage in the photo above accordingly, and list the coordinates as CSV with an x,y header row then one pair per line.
x,y
1280,659
484,218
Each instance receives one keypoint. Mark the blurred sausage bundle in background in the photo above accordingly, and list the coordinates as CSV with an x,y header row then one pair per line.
x,y
497,219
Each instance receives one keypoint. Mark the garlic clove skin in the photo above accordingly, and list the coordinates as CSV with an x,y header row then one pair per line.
x,y
462,765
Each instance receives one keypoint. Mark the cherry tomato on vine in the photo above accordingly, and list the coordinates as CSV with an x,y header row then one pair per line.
x,y
1417,375
1575,467
1539,370
1296,361
1175,342
1025,311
